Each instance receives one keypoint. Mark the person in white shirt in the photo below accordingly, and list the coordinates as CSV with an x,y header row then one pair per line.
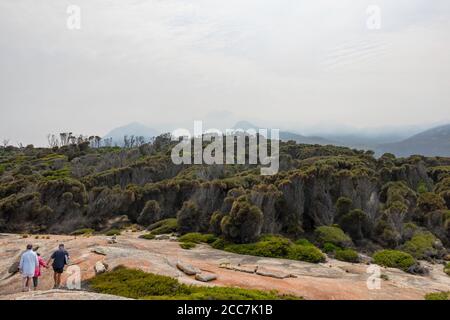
x,y
27,266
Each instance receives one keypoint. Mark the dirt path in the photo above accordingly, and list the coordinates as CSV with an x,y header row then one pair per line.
x,y
330,280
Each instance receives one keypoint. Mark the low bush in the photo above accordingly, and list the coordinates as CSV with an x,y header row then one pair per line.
x,y
329,248
347,255
447,268
147,236
80,232
113,232
275,247
164,226
196,237
219,244
303,242
308,253
187,245
438,296
137,284
334,235
394,259
421,246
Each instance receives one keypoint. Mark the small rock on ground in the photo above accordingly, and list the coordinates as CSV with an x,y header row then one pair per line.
x,y
99,267
205,277
187,268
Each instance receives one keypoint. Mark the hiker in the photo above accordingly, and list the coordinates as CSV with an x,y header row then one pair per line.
x,y
27,266
37,272
60,258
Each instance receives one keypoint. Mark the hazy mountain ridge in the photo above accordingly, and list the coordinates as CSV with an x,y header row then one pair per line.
x,y
287,135
432,142
133,129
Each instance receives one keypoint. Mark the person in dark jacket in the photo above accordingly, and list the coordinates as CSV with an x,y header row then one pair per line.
x,y
60,258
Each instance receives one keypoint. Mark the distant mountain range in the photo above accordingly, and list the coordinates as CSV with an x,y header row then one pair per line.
x,y
432,142
286,135
136,129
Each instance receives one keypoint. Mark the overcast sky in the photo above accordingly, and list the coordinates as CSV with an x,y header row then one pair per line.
x,y
285,63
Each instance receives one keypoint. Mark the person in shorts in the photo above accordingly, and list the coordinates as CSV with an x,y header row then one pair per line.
x,y
60,258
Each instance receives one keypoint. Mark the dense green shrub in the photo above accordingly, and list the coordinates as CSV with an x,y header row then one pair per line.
x,y
438,296
268,246
428,202
84,231
303,242
196,237
275,247
329,248
421,246
219,244
243,224
137,284
113,232
164,226
347,255
187,245
334,235
147,236
308,253
394,259
447,268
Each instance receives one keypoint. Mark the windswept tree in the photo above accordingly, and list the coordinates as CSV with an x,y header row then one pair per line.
x,y
5,143
52,140
126,141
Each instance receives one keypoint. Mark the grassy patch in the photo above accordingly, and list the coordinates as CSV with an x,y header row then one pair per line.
x,y
438,296
394,259
137,284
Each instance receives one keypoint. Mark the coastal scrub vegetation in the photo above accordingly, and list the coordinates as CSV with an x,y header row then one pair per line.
x,y
342,200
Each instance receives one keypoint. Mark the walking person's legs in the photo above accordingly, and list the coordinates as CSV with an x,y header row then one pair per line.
x,y
55,279
24,283
27,286
35,283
